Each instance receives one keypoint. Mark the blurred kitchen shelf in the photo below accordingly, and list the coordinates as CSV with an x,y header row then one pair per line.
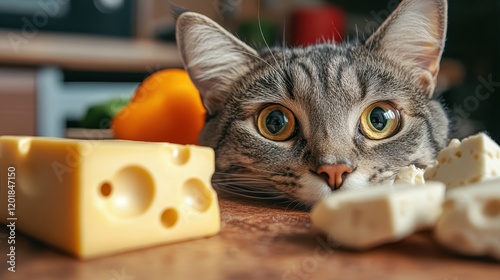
x,y
83,52
59,101
89,134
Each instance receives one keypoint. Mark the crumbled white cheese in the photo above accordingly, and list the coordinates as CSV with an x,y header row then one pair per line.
x,y
470,223
410,175
362,219
473,160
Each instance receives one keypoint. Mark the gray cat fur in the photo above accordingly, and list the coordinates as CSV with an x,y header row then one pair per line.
x,y
327,87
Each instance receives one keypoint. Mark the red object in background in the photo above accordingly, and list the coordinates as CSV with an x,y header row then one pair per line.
x,y
311,25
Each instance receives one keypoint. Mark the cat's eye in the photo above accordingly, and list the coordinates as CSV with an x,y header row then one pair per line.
x,y
276,123
380,120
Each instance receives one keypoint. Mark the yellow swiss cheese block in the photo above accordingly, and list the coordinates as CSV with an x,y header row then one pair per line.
x,y
91,198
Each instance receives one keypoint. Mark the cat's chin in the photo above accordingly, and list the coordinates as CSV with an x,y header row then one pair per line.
x,y
314,188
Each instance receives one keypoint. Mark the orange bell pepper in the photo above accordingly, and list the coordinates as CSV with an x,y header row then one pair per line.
x,y
166,107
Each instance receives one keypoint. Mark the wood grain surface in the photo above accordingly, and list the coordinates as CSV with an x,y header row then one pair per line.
x,y
257,241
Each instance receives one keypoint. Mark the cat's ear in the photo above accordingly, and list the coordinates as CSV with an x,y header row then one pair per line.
x,y
212,56
414,34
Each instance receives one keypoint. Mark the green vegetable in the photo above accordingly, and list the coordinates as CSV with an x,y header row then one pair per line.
x,y
100,116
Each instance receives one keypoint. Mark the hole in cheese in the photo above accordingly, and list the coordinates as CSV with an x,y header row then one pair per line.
x,y
169,217
197,195
181,155
492,208
132,193
475,180
106,189
24,146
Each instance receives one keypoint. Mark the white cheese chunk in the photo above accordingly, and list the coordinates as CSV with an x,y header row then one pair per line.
x,y
410,175
470,223
475,159
361,219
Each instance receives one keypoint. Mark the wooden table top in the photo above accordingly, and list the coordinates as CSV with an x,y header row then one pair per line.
x,y
257,241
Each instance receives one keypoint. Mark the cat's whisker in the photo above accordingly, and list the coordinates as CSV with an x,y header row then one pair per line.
x,y
260,59
365,65
338,33
286,63
241,176
288,204
246,182
250,185
239,192
262,34
246,172
243,183
297,204
254,169
284,46
242,194
236,177
357,32
267,193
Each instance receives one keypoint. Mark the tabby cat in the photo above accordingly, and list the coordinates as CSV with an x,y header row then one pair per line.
x,y
300,123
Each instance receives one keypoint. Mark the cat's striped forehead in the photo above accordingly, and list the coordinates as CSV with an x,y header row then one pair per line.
x,y
349,74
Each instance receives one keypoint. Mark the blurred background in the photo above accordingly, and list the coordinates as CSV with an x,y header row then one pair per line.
x,y
58,58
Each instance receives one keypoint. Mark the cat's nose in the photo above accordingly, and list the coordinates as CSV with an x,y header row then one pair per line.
x,y
336,174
